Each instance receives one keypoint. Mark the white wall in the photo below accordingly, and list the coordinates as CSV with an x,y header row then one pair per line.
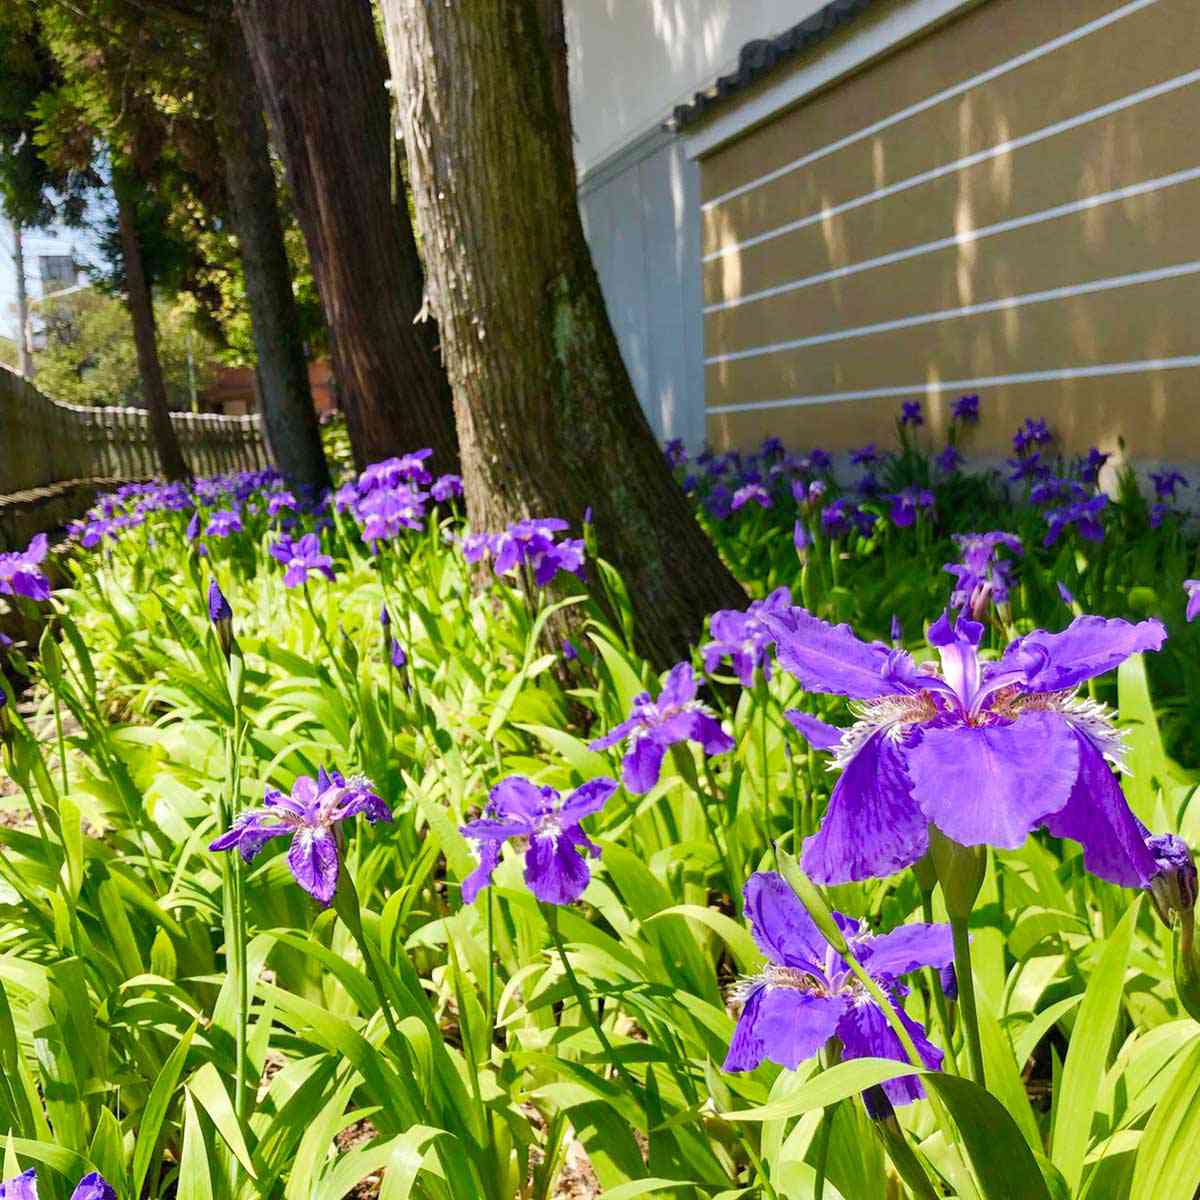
x,y
632,61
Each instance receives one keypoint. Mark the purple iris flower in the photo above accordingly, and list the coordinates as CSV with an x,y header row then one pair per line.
x,y
1192,588
864,456
1173,885
300,558
807,994
771,447
446,487
223,523
987,752
92,1186
751,492
1084,517
1158,514
835,517
1027,468
1065,594
949,460
966,408
719,502
396,655
1031,433
983,577
21,571
1090,467
906,505
309,817
801,538
743,638
675,453
476,546
910,413
569,650
821,460
868,485
1165,483
278,501
897,631
384,512
555,872
653,725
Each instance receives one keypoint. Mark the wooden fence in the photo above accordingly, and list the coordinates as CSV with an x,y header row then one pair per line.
x,y
54,457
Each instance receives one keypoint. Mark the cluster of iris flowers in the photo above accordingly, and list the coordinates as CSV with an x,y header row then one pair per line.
x,y
982,752
532,544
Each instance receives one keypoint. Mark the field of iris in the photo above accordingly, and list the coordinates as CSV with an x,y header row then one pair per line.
x,y
330,871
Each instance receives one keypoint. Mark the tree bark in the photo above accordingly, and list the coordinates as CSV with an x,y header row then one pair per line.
x,y
287,405
24,358
548,421
323,76
141,314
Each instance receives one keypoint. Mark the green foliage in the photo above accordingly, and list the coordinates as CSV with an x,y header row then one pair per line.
x,y
89,355
445,1050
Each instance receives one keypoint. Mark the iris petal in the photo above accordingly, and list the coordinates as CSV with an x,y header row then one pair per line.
x,y
905,949
313,859
830,658
992,785
1088,646
872,827
1097,816
816,732
554,871
586,799
865,1033
781,926
787,1026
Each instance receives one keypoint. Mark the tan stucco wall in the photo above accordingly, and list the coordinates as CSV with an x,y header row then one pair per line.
x,y
1076,184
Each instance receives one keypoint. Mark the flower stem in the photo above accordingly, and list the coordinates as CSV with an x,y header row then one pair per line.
x,y
966,996
551,914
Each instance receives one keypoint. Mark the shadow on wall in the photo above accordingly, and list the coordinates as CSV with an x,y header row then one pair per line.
x,y
1038,224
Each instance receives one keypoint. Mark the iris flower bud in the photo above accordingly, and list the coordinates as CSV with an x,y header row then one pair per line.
x,y
1173,886
960,870
221,616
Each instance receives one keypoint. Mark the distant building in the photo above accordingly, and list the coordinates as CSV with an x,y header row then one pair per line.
x,y
57,271
233,393
803,213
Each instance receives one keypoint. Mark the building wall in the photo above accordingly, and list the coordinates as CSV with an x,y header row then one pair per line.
x,y
1004,205
632,61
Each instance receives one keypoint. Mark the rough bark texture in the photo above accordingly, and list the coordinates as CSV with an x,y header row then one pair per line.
x,y
322,74
287,409
548,421
141,314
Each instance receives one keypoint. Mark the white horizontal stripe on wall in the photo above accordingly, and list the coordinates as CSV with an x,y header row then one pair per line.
x,y
965,236
935,386
962,164
967,310
949,93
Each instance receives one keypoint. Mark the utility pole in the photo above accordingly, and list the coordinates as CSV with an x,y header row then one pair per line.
x,y
24,348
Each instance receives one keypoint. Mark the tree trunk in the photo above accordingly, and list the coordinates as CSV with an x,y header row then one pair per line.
x,y
548,421
24,357
323,76
141,314
287,405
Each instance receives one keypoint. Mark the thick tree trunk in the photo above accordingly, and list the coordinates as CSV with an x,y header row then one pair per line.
x,y
24,357
287,406
141,314
548,421
322,74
